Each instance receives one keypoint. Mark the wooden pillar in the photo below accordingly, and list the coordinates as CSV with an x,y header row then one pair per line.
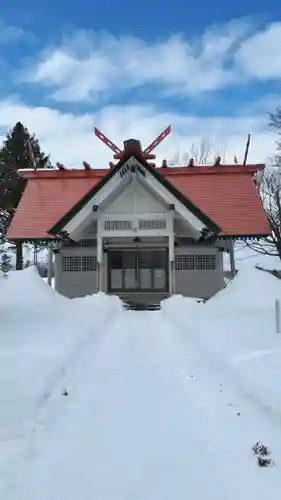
x,y
232,258
57,267
99,264
105,272
171,263
50,264
19,256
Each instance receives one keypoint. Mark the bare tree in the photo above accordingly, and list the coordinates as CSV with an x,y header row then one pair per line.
x,y
269,186
201,153
275,124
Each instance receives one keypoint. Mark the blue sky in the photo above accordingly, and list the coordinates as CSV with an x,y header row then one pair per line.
x,y
211,69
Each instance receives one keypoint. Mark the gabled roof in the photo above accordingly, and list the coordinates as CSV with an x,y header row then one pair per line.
x,y
202,216
47,197
226,194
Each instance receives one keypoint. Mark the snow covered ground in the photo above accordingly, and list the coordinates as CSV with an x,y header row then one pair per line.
x,y
42,336
101,403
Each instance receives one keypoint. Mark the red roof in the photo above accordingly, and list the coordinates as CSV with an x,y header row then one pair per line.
x,y
226,194
47,197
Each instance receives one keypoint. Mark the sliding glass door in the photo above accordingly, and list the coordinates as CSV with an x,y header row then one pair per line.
x,y
138,270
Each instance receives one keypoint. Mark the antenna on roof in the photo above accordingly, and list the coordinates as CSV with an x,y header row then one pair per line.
x,y
247,150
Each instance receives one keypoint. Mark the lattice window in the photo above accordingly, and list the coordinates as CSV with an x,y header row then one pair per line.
x,y
89,263
195,262
152,224
77,264
118,225
205,262
71,263
185,263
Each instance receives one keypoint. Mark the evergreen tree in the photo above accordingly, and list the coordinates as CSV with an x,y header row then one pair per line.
x,y
15,151
20,150
5,259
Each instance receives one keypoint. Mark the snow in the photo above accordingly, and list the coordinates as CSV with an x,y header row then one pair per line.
x,y
236,329
52,281
159,405
41,332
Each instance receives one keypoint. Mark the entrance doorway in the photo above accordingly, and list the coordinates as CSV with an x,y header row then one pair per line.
x,y
138,270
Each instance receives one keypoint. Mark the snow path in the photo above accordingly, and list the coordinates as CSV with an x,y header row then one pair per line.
x,y
147,414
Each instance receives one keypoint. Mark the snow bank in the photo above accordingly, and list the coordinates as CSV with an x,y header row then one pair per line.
x,y
183,306
237,329
27,291
250,288
26,286
41,335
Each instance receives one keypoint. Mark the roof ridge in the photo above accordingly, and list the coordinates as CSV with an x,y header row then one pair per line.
x,y
165,171
211,169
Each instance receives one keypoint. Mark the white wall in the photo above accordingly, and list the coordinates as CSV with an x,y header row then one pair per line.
x,y
135,198
74,284
200,283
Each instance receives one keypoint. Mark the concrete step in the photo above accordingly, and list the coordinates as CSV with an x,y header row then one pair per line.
x,y
141,306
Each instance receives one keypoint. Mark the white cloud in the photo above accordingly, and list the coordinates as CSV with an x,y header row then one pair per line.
x,y
69,138
88,64
260,55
